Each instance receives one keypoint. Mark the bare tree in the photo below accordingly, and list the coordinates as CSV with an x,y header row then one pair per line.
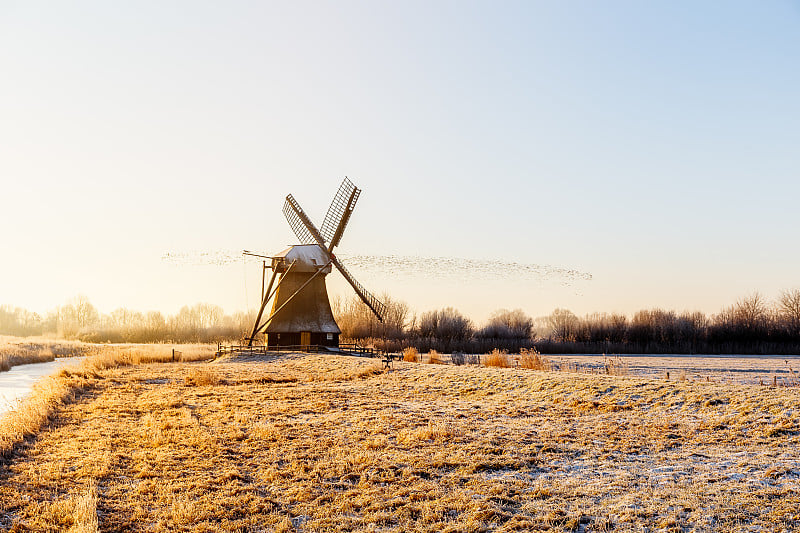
x,y
789,308
446,324
563,324
357,321
751,312
508,324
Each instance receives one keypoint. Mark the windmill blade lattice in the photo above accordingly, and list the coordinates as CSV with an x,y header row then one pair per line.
x,y
371,301
300,223
339,213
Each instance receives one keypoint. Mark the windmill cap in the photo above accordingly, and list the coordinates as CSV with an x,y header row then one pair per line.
x,y
306,258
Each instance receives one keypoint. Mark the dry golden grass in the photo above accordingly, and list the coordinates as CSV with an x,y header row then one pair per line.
x,y
497,358
85,514
200,377
137,354
616,366
26,421
411,355
59,347
533,360
16,357
53,391
328,443
435,358
18,351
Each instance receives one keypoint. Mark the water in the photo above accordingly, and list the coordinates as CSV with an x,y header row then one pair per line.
x,y
19,381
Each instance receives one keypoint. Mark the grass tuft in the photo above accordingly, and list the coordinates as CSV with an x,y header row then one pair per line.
x,y
85,516
616,366
200,377
411,355
435,358
533,360
497,358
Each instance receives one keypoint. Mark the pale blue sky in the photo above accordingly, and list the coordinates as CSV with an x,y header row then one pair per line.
x,y
652,144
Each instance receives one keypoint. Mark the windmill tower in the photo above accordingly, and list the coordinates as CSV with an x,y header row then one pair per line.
x,y
301,311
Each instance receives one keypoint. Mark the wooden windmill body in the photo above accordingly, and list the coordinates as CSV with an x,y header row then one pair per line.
x,y
301,313
306,319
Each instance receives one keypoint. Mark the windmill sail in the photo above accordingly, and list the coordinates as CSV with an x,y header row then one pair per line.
x,y
339,213
373,303
301,225
305,230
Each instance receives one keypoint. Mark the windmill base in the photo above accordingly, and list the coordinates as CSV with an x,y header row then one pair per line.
x,y
297,338
263,350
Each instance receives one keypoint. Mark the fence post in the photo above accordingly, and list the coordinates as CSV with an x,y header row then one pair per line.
x,y
173,355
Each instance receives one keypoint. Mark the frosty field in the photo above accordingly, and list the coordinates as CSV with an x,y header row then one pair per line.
x,y
327,443
733,369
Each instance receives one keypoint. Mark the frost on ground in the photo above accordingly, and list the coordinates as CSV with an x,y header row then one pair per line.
x,y
328,443
733,369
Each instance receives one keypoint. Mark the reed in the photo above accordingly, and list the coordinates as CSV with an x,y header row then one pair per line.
x,y
533,360
199,377
411,355
85,514
33,413
616,366
497,358
435,358
12,355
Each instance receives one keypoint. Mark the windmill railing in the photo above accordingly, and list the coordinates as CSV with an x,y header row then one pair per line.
x,y
243,349
261,349
356,348
239,349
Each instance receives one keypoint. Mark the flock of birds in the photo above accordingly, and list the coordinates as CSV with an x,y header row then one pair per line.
x,y
459,269
407,267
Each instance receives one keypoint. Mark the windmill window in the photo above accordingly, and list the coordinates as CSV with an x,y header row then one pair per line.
x,y
330,336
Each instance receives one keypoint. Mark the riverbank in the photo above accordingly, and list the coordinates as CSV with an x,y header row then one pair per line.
x,y
16,351
51,392
329,443
18,382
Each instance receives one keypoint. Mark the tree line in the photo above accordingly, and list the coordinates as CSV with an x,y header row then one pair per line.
x,y
80,320
753,325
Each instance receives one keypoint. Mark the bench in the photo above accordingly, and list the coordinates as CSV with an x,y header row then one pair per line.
x,y
388,361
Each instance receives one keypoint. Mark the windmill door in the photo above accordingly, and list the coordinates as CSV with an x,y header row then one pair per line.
x,y
305,338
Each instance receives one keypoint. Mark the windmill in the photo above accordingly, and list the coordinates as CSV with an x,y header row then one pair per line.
x,y
301,312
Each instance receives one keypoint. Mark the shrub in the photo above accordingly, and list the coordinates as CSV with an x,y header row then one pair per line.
x,y
435,358
497,358
411,355
200,377
533,360
458,358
